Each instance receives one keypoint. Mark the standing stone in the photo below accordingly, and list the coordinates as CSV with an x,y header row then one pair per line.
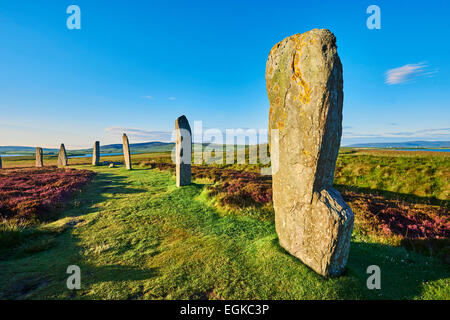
x,y
62,156
305,90
126,152
183,140
39,158
96,154
0,162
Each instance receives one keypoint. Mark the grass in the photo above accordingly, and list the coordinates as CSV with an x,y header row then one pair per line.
x,y
413,176
136,236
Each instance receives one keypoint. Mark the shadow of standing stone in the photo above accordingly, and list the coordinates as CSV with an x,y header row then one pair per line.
x,y
305,89
126,152
39,158
96,154
183,140
62,156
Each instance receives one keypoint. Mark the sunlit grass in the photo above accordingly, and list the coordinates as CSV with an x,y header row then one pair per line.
x,y
136,236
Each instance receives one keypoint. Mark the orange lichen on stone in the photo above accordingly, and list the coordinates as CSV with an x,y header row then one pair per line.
x,y
305,96
276,88
277,101
306,152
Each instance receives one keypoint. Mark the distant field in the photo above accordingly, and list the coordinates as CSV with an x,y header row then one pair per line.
x,y
136,236
27,161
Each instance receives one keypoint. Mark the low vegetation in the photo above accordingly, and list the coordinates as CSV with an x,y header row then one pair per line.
x,y
36,193
136,236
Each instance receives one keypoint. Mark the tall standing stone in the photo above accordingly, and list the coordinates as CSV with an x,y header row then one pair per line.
x,y
0,162
183,140
96,154
126,152
39,158
305,89
62,156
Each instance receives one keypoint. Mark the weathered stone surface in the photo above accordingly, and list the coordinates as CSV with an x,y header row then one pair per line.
x,y
39,158
305,90
96,154
62,156
183,140
126,152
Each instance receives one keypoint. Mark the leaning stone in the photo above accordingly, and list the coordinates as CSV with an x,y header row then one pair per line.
x,y
39,158
96,154
126,152
62,156
305,90
183,151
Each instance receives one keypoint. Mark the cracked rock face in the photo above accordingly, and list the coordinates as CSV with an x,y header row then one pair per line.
x,y
305,90
62,156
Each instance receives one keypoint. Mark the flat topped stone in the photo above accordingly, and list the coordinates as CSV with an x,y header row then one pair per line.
x,y
305,89
183,151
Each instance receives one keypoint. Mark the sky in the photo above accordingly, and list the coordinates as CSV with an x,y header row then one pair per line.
x,y
135,66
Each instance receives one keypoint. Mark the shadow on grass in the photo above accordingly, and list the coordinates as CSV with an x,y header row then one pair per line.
x,y
23,249
395,195
439,248
402,274
102,187
44,275
24,283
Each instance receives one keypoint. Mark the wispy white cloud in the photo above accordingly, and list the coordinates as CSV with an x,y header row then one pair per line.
x,y
172,98
407,73
148,97
140,135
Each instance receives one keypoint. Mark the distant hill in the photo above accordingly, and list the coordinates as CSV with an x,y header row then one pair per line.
x,y
23,150
111,148
144,147
408,144
157,146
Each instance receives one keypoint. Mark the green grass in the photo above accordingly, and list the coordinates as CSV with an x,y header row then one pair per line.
x,y
136,236
417,176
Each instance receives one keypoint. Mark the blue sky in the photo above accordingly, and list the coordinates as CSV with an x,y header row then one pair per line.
x,y
137,65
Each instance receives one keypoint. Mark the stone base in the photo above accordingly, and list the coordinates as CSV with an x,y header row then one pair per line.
x,y
318,233
183,174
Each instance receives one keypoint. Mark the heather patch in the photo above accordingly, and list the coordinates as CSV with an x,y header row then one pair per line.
x,y
423,227
233,188
37,193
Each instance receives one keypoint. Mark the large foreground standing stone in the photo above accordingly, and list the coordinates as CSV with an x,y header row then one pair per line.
x,y
183,140
305,89
62,156
96,154
39,158
126,152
